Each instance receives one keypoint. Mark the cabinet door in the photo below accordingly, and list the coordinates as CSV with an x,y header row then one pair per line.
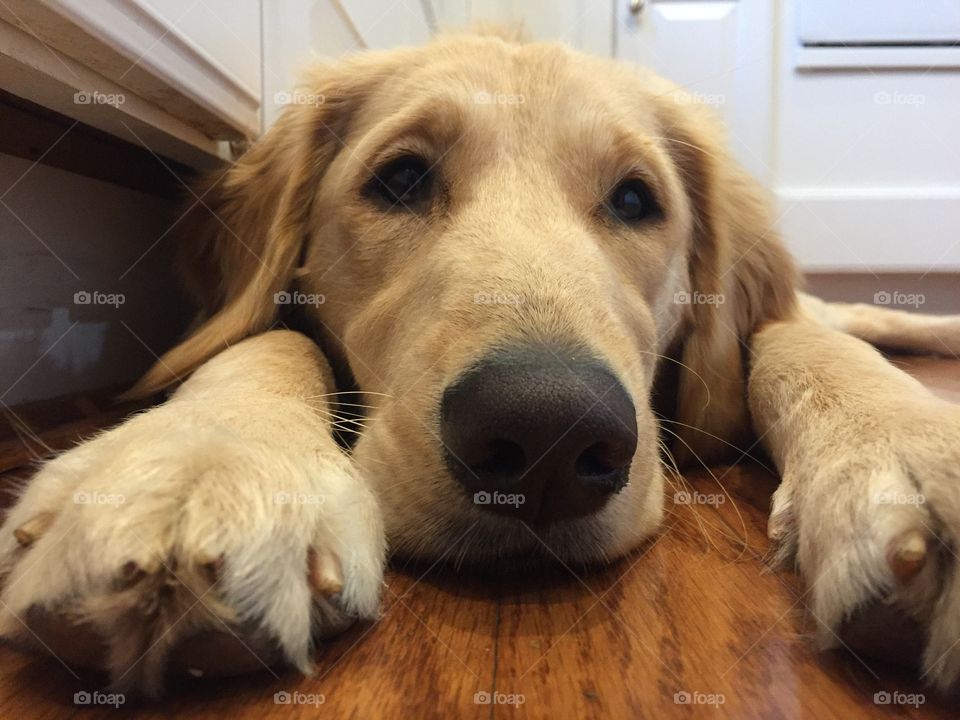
x,y
198,62
866,142
889,22
720,51
298,32
583,24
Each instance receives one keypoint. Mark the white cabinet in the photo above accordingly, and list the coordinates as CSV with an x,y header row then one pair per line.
x,y
227,32
867,153
220,41
384,24
847,111
297,32
721,51
181,78
883,22
583,24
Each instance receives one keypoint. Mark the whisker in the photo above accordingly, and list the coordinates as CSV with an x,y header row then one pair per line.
x,y
349,392
688,144
24,433
685,366
743,523
715,437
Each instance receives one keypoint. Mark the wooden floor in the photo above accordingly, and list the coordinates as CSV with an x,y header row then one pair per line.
x,y
695,615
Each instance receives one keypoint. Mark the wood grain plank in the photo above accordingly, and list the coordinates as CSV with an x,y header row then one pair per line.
x,y
696,611
696,617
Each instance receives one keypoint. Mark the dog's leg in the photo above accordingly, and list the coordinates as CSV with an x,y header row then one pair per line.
x,y
888,327
869,505
217,533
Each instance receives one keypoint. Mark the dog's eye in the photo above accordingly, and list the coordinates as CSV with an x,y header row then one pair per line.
x,y
405,182
632,201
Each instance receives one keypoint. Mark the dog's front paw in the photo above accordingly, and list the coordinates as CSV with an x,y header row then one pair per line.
x,y
152,548
874,530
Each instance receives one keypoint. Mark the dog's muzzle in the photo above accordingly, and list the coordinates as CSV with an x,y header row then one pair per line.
x,y
541,434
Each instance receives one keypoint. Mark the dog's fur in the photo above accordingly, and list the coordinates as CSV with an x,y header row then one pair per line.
x,y
234,486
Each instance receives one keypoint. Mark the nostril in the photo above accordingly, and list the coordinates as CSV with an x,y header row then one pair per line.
x,y
600,462
504,459
594,461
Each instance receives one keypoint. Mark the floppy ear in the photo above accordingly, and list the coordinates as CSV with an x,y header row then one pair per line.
x,y
242,240
738,259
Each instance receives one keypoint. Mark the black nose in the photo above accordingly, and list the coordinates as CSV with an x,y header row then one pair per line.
x,y
539,434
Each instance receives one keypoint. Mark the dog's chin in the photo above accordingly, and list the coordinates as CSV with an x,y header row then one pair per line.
x,y
476,539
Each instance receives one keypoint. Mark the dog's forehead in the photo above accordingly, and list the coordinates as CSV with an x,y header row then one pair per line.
x,y
535,91
534,75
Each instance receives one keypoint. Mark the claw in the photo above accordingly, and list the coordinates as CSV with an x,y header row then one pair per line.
x,y
907,555
32,529
325,573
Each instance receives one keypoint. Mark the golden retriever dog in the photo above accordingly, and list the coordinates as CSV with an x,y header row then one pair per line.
x,y
507,263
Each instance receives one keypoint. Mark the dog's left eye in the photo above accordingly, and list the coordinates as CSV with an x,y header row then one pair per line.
x,y
632,201
405,182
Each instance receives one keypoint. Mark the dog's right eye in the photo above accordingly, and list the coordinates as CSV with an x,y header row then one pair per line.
x,y
403,183
632,201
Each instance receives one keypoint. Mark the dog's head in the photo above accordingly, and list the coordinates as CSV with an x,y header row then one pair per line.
x,y
501,242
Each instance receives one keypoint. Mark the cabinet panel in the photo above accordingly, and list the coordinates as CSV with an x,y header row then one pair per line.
x,y
583,24
198,76
887,22
227,31
662,35
867,158
297,33
721,52
384,25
